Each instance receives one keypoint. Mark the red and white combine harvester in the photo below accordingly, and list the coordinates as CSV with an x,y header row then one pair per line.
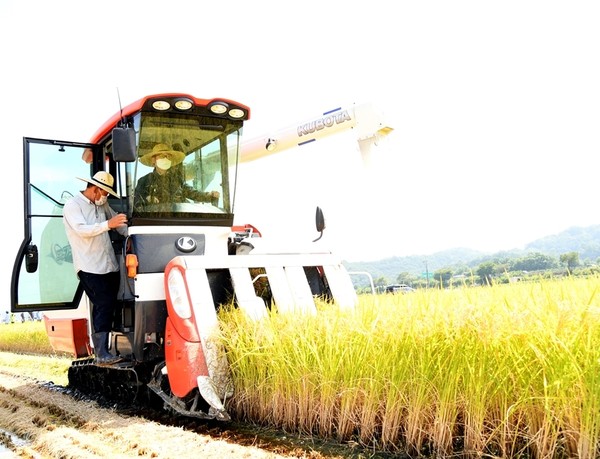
x,y
182,259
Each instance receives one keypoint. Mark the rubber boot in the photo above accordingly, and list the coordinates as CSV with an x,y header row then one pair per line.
x,y
103,356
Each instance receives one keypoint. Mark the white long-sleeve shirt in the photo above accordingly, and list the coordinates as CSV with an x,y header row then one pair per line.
x,y
87,229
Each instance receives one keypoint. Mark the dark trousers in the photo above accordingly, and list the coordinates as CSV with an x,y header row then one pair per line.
x,y
102,290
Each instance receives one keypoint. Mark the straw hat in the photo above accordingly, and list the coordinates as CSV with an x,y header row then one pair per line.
x,y
102,180
162,149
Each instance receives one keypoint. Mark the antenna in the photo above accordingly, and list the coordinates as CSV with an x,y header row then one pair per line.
x,y
120,107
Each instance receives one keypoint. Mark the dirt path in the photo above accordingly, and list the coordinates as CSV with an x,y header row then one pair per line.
x,y
40,420
54,425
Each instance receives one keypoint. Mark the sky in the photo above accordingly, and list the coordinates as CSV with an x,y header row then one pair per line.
x,y
495,108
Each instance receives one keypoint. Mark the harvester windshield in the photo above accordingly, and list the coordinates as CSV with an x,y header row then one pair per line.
x,y
183,166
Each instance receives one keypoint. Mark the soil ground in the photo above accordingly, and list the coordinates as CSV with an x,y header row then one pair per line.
x,y
43,421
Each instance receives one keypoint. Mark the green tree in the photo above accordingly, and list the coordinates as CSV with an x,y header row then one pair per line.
x,y
406,278
571,259
485,271
443,276
534,261
380,283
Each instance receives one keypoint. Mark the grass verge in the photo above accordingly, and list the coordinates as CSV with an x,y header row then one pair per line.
x,y
25,350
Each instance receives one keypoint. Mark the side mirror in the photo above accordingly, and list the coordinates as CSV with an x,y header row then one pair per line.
x,y
123,144
320,222
31,258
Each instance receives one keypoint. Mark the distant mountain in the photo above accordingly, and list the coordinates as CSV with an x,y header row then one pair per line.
x,y
583,240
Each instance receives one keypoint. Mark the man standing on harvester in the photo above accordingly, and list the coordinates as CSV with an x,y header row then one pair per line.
x,y
88,218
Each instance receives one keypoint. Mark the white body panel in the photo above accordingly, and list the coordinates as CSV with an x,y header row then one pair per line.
x,y
364,119
286,276
150,287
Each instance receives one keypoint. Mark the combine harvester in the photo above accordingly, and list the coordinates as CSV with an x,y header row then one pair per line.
x,y
182,259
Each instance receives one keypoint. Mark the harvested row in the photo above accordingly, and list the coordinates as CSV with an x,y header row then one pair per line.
x,y
55,425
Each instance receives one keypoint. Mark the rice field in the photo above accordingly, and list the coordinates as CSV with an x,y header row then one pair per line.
x,y
499,371
25,337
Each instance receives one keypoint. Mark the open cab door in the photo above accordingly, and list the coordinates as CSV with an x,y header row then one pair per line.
x,y
43,277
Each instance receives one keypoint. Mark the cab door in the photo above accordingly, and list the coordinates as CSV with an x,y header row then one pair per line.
x,y
43,277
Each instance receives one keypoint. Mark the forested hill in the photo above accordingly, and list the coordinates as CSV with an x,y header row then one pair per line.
x,y
583,240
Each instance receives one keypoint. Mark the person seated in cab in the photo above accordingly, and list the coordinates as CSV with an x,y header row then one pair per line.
x,y
166,184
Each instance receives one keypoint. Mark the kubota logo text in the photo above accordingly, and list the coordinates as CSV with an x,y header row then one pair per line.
x,y
324,122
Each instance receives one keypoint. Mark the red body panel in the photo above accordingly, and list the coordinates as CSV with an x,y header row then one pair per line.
x,y
244,228
185,361
68,335
138,104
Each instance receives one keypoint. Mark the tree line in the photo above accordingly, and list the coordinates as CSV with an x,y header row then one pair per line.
x,y
496,270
